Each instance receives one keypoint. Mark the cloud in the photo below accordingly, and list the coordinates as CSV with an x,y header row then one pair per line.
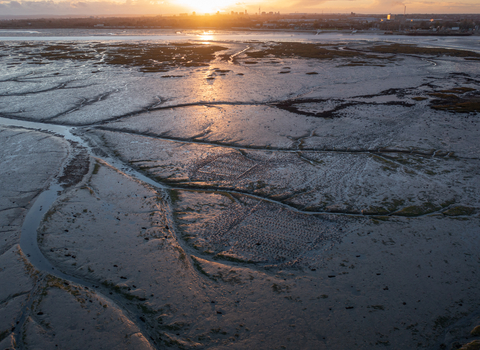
x,y
80,4
15,4
154,7
307,4
87,8
288,6
426,6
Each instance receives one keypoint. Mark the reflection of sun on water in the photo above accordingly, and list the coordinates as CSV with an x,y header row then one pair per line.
x,y
206,36
205,6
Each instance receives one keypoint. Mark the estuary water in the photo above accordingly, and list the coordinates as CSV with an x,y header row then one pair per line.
x,y
169,35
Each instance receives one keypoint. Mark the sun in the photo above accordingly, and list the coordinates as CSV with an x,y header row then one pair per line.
x,y
205,6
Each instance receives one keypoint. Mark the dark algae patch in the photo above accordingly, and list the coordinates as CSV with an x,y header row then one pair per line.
x,y
459,105
174,196
96,168
458,100
76,169
459,90
458,211
417,210
146,57
297,106
322,52
160,58
476,331
3,335
303,50
474,345
415,50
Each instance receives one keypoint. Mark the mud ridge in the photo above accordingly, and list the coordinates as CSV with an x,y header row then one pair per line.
x,y
193,188
290,105
427,153
62,86
83,103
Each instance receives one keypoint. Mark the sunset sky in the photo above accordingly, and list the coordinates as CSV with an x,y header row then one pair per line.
x,y
167,7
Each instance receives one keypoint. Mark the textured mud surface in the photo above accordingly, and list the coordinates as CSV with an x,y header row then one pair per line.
x,y
299,196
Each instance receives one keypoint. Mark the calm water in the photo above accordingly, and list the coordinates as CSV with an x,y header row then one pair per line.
x,y
169,35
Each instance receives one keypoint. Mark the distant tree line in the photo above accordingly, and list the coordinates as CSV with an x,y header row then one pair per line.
x,y
223,21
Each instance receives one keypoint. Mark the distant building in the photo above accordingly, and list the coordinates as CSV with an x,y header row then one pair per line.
x,y
366,19
295,20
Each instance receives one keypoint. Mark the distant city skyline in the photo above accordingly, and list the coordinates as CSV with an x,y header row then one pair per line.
x,y
158,7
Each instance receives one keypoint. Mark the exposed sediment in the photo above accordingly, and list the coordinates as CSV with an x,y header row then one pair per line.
x,y
236,207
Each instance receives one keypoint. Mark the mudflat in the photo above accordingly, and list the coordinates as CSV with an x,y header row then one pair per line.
x,y
239,195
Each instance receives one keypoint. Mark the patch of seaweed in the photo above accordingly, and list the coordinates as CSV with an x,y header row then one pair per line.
x,y
458,211
303,50
416,50
160,58
417,210
466,104
294,106
75,170
147,57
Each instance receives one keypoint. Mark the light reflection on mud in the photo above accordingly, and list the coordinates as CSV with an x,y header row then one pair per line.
x,y
229,194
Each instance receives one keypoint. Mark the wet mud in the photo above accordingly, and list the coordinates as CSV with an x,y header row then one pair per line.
x,y
228,204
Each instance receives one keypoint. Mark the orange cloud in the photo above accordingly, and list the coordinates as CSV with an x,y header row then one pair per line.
x,y
166,7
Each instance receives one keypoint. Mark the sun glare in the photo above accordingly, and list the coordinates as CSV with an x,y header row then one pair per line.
x,y
205,6
206,36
